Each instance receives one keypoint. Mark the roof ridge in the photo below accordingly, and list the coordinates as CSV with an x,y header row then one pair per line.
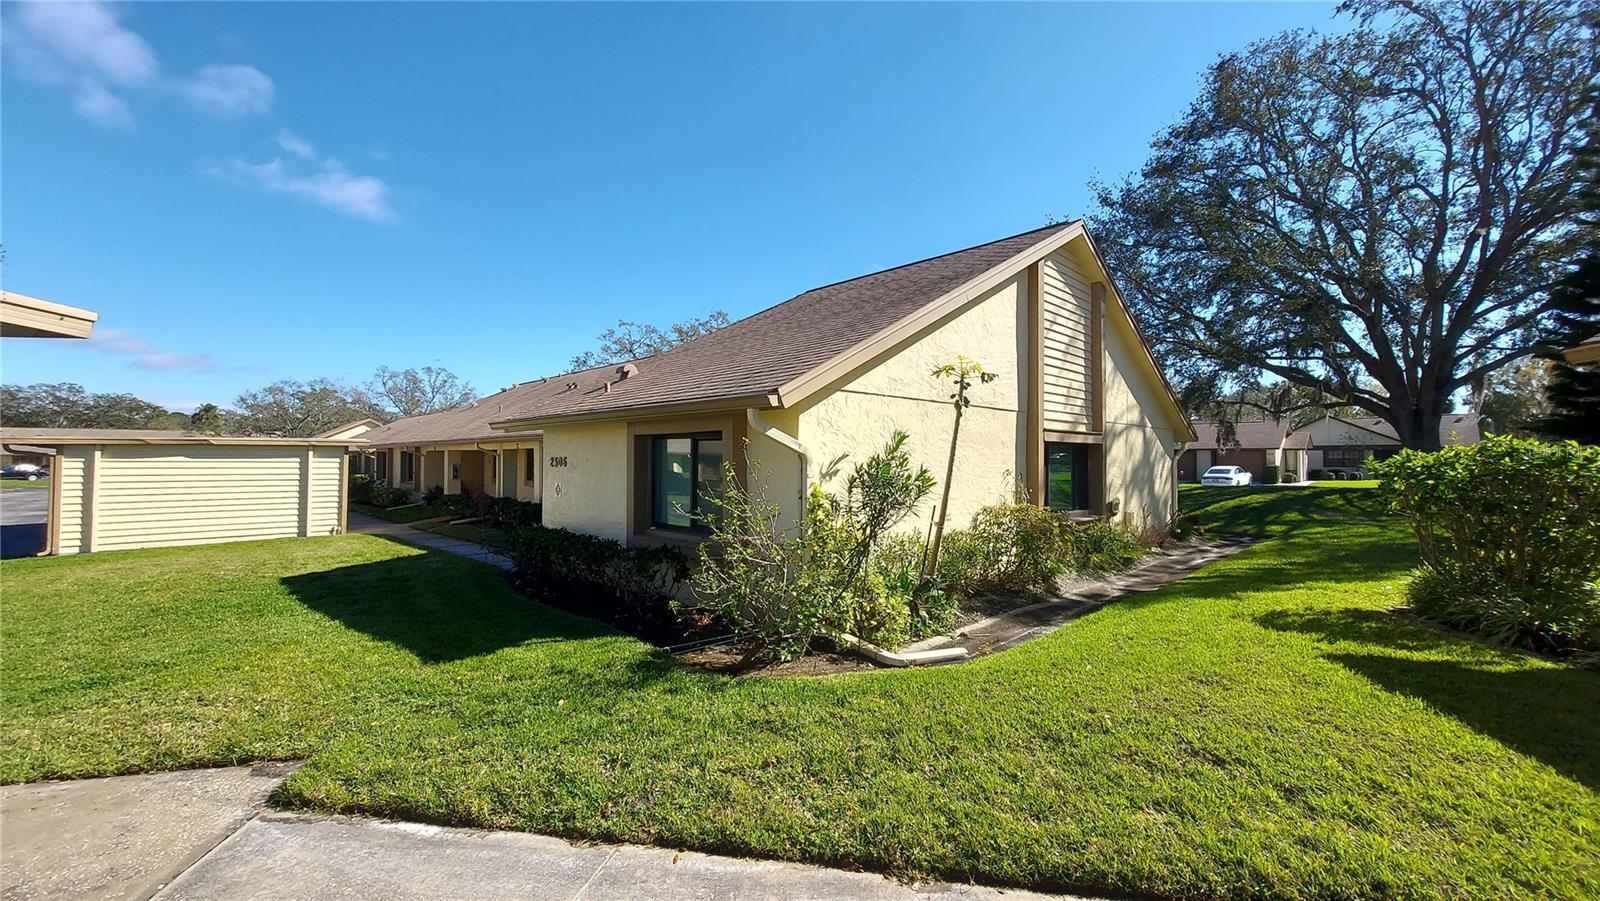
x,y
937,256
775,307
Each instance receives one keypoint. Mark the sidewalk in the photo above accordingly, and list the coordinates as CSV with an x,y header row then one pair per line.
x,y
360,523
206,834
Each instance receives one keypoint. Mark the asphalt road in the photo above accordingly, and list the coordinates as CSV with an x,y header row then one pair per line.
x,y
22,514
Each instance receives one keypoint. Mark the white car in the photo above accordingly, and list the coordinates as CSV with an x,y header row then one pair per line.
x,y
1232,476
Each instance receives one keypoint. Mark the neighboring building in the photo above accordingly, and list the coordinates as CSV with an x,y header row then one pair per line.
x,y
815,384
456,450
1331,442
1348,442
115,489
22,316
1585,354
1254,446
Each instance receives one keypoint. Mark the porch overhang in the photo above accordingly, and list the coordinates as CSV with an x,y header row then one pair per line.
x,y
763,401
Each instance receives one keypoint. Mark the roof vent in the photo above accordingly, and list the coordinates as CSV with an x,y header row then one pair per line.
x,y
626,370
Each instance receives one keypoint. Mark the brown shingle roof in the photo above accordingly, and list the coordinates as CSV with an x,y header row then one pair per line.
x,y
1247,435
760,353
465,423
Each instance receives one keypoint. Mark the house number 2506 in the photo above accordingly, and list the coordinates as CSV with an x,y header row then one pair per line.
x,y
557,461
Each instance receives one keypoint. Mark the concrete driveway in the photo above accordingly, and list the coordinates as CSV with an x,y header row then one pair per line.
x,y
206,834
22,515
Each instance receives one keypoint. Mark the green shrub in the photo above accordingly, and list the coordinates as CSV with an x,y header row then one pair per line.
x,y
780,589
931,606
1509,535
433,495
361,488
386,495
1316,475
1288,477
1101,546
776,588
1269,475
1013,547
598,577
460,505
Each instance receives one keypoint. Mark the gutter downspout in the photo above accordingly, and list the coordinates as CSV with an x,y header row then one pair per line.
x,y
787,440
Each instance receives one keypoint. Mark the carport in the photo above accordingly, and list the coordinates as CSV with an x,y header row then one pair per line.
x,y
116,489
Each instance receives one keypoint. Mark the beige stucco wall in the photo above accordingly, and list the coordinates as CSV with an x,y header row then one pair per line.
x,y
156,496
590,493
1141,471
1329,432
854,420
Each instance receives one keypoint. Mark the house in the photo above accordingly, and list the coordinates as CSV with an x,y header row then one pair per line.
x,y
1585,354
456,450
1077,412
1347,442
1330,442
22,316
1253,445
117,489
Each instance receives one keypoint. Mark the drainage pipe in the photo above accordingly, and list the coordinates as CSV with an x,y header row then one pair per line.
x,y
787,440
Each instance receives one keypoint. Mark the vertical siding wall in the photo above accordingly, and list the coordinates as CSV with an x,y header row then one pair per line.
x,y
155,496
1067,365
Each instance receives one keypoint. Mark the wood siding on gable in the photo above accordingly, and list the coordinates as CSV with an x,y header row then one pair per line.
x,y
1068,373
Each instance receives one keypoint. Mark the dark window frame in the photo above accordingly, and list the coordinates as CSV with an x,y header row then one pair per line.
x,y
408,466
1339,457
1080,463
381,466
697,524
530,466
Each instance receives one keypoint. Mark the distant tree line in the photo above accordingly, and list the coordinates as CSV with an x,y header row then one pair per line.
x,y
288,408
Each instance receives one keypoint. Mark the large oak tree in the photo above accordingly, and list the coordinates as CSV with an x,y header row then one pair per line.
x,y
1376,217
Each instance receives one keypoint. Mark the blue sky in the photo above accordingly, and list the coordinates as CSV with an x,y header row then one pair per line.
x,y
249,192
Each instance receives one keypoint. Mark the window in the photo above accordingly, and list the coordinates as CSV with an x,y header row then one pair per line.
x,y
530,466
1066,476
685,479
1344,456
408,466
383,466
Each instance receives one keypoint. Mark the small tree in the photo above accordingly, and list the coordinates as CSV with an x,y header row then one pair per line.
x,y
882,491
960,373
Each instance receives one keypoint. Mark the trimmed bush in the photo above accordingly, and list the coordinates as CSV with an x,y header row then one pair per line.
x,y
598,577
361,488
1269,475
385,495
433,495
1509,534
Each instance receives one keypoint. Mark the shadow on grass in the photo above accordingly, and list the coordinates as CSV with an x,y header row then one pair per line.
x,y
440,613
1262,512
1550,713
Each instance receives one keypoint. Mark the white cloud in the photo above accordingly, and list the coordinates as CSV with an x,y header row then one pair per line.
x,y
231,90
82,39
119,343
83,47
331,186
100,106
296,145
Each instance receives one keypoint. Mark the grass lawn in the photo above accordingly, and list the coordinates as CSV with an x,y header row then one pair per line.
x,y
495,538
24,483
1262,728
408,513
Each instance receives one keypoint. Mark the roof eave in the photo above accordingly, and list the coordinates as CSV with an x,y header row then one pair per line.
x,y
764,400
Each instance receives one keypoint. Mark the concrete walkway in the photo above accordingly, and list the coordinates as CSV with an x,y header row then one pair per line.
x,y
204,834
372,525
1007,630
